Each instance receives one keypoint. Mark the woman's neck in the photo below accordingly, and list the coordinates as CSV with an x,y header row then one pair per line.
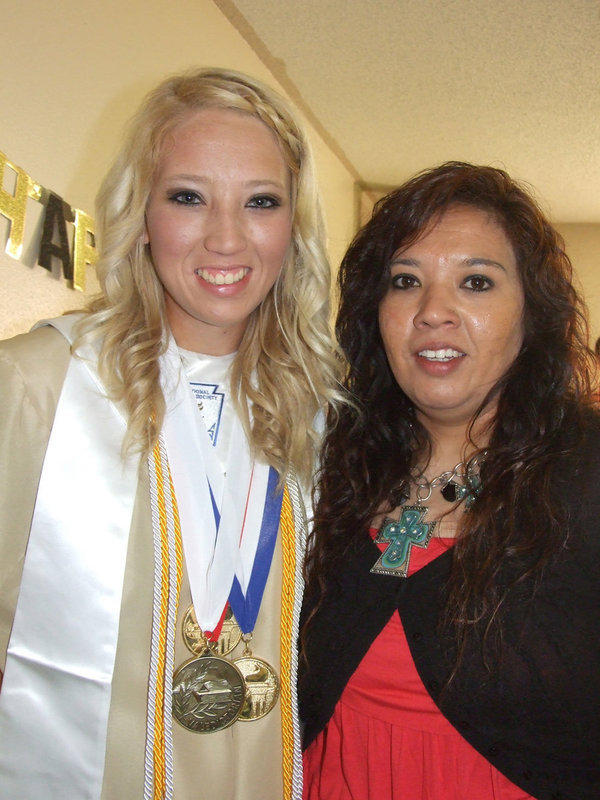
x,y
454,443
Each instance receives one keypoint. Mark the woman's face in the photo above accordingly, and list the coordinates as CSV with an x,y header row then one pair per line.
x,y
219,225
452,318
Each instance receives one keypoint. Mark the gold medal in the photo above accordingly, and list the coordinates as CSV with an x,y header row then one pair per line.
x,y
197,643
208,694
262,687
204,702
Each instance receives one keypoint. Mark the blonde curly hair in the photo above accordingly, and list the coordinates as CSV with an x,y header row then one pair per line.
x,y
287,343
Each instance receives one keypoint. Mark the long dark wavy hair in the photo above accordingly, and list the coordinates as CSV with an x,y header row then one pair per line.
x,y
372,441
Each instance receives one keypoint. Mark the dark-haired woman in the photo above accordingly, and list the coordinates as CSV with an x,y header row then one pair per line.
x,y
451,647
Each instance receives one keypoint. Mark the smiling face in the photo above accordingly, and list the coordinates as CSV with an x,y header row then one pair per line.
x,y
452,318
219,225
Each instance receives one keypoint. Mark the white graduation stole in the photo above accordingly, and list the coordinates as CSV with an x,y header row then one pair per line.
x,y
55,697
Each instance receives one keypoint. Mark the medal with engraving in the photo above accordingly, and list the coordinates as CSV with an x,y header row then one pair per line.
x,y
197,643
208,694
262,687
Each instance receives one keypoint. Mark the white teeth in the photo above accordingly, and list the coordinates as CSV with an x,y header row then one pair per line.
x,y
221,279
440,355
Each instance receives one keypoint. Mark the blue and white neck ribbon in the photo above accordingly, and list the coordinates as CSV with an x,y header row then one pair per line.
x,y
245,602
215,550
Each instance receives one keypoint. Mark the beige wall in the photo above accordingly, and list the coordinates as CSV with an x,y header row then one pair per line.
x,y
72,73
582,243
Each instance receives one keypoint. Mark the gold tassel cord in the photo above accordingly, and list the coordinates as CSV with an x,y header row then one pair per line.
x,y
159,734
288,539
167,518
168,573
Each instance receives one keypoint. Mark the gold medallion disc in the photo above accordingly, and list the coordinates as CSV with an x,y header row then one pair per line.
x,y
262,687
208,694
197,643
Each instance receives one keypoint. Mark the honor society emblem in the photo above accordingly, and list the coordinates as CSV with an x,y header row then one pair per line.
x,y
208,694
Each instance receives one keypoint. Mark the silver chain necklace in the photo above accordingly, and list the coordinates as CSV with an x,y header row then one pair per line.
x,y
453,478
410,529
454,484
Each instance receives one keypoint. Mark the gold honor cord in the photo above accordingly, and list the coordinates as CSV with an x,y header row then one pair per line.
x,y
288,537
158,781
167,534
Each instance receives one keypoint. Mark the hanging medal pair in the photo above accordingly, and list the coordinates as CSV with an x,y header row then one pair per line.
x,y
211,691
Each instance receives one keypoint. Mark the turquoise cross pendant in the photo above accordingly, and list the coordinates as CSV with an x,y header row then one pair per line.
x,y
400,536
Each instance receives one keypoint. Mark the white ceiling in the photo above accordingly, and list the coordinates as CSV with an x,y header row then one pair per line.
x,y
398,85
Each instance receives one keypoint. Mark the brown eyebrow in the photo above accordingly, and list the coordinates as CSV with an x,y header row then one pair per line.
x,y
467,262
487,262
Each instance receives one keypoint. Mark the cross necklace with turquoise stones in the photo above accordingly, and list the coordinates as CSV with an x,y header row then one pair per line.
x,y
401,534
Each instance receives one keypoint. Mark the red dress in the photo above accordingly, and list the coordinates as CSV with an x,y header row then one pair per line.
x,y
387,740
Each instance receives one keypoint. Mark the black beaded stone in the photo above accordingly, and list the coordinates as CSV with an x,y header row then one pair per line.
x,y
450,492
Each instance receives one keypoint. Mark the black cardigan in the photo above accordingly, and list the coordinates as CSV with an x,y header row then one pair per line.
x,y
536,717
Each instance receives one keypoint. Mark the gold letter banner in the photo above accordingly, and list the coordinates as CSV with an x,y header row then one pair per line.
x,y
14,206
54,242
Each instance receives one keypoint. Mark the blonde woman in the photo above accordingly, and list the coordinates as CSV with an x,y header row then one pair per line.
x,y
157,452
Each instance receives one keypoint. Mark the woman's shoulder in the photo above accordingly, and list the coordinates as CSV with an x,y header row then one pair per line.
x,y
591,423
589,468
36,345
34,364
577,480
584,453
